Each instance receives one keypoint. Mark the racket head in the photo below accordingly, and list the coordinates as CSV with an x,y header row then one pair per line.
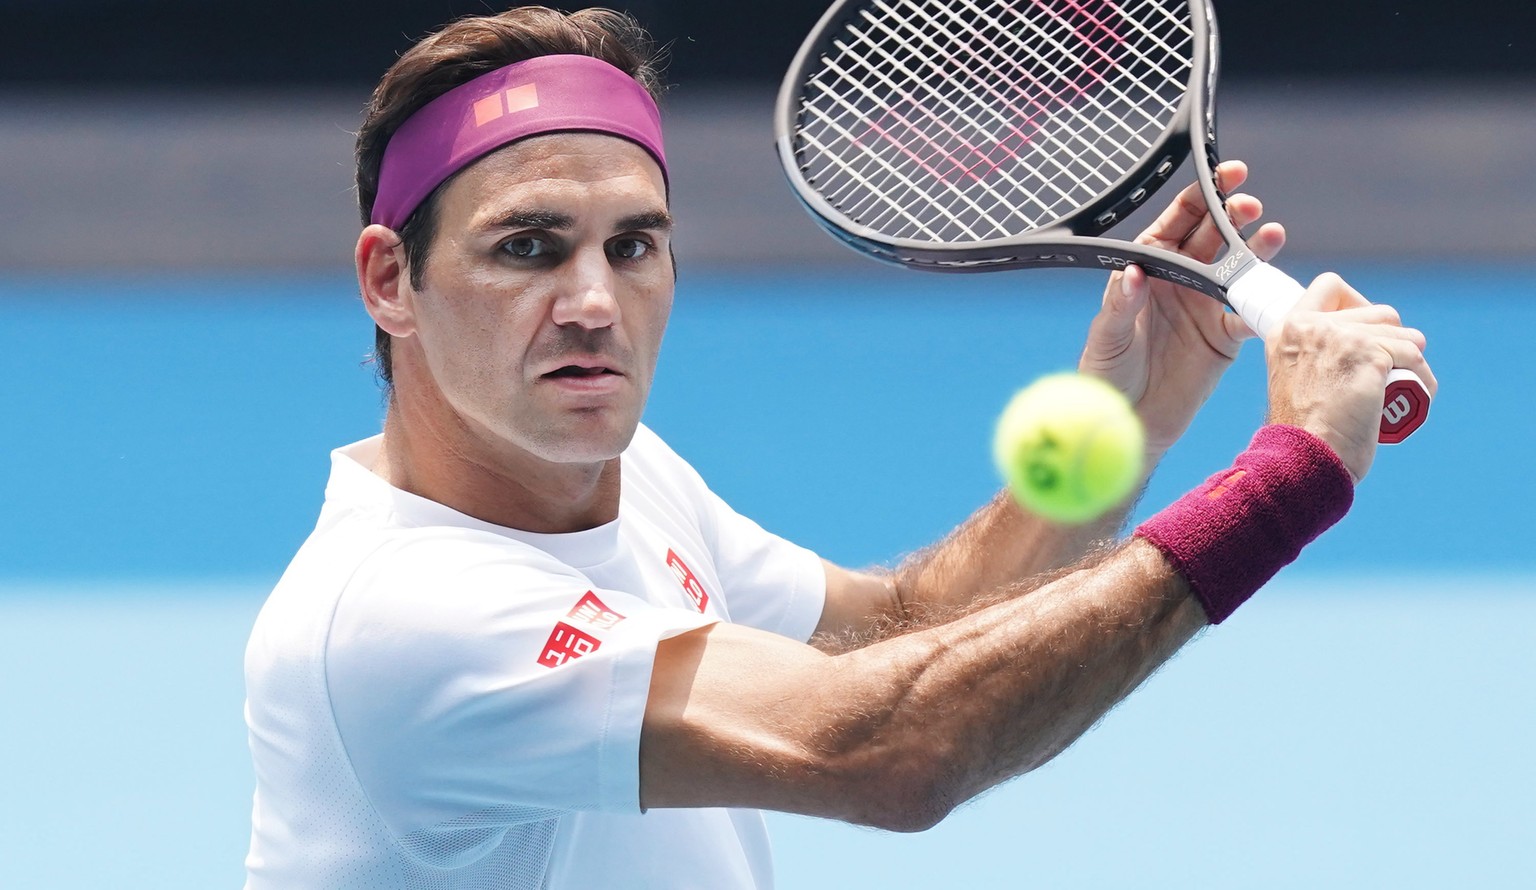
x,y
905,141
927,132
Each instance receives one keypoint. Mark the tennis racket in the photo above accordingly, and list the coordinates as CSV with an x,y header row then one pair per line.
x,y
979,135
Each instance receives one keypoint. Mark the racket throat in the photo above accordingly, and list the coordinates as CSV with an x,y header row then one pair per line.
x,y
1259,293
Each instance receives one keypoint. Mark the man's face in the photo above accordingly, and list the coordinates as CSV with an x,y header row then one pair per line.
x,y
545,295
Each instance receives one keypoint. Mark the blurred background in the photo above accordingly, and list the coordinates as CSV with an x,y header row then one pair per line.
x,y
182,346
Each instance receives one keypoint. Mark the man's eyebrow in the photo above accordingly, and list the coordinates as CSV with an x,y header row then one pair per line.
x,y
551,220
659,220
531,219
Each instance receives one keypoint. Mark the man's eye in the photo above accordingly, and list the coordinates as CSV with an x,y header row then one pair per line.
x,y
527,247
630,248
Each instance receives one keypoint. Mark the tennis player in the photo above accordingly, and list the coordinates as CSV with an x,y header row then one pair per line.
x,y
527,647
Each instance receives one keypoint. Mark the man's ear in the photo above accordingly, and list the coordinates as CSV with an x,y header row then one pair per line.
x,y
383,280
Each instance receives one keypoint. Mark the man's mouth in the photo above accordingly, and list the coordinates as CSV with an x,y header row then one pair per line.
x,y
580,371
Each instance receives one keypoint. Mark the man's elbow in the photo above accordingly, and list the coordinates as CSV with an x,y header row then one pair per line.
x,y
905,797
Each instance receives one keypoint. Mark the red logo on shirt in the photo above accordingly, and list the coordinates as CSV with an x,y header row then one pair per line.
x,y
566,643
590,610
691,586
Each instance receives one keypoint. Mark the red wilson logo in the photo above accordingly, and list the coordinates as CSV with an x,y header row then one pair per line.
x,y
691,586
1395,410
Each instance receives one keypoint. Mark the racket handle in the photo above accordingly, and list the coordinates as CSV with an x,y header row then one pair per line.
x,y
1263,295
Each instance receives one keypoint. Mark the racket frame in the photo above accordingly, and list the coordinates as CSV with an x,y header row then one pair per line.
x,y
1072,241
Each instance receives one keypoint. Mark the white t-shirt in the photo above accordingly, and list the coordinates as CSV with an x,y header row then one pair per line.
x,y
438,702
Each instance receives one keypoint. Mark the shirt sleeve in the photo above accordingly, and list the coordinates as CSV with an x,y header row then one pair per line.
x,y
770,583
478,684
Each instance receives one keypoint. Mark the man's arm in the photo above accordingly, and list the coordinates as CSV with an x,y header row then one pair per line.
x,y
995,553
1165,347
898,733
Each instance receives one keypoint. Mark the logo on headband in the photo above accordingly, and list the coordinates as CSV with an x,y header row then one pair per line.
x,y
506,102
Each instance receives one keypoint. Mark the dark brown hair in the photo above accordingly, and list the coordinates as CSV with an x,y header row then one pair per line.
x,y
460,52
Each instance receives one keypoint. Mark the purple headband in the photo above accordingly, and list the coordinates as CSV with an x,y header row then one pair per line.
x,y
546,94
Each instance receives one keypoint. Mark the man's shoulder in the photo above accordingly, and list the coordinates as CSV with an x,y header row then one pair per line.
x,y
648,445
404,562
440,551
652,456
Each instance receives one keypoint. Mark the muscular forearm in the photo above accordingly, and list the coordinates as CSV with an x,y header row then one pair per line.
x,y
992,554
1003,690
899,732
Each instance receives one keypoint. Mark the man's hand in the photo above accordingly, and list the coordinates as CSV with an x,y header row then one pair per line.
x,y
1166,346
1328,364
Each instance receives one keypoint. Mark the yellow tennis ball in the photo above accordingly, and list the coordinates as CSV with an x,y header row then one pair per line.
x,y
1070,447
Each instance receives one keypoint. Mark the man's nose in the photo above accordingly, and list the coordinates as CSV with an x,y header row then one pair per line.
x,y
587,299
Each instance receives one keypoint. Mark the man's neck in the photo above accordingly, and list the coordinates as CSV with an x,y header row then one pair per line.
x,y
437,459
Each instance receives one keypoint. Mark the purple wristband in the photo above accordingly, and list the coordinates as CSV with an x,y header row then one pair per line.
x,y
1233,533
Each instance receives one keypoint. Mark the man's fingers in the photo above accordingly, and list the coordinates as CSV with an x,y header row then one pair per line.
x,y
1179,220
1330,293
1409,356
1136,287
1230,175
1235,327
1360,329
1110,350
1371,313
1176,221
1205,241
1267,242
1115,325
1186,225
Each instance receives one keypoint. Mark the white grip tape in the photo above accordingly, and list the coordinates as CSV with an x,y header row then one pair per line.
x,y
1262,296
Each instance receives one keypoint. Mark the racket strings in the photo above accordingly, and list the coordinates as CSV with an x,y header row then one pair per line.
x,y
886,185
995,84
936,130
1104,53
972,120
1000,89
968,117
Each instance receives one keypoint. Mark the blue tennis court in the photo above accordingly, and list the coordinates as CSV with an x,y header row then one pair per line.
x,y
1366,722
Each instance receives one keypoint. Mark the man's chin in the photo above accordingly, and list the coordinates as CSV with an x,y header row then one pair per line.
x,y
587,444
